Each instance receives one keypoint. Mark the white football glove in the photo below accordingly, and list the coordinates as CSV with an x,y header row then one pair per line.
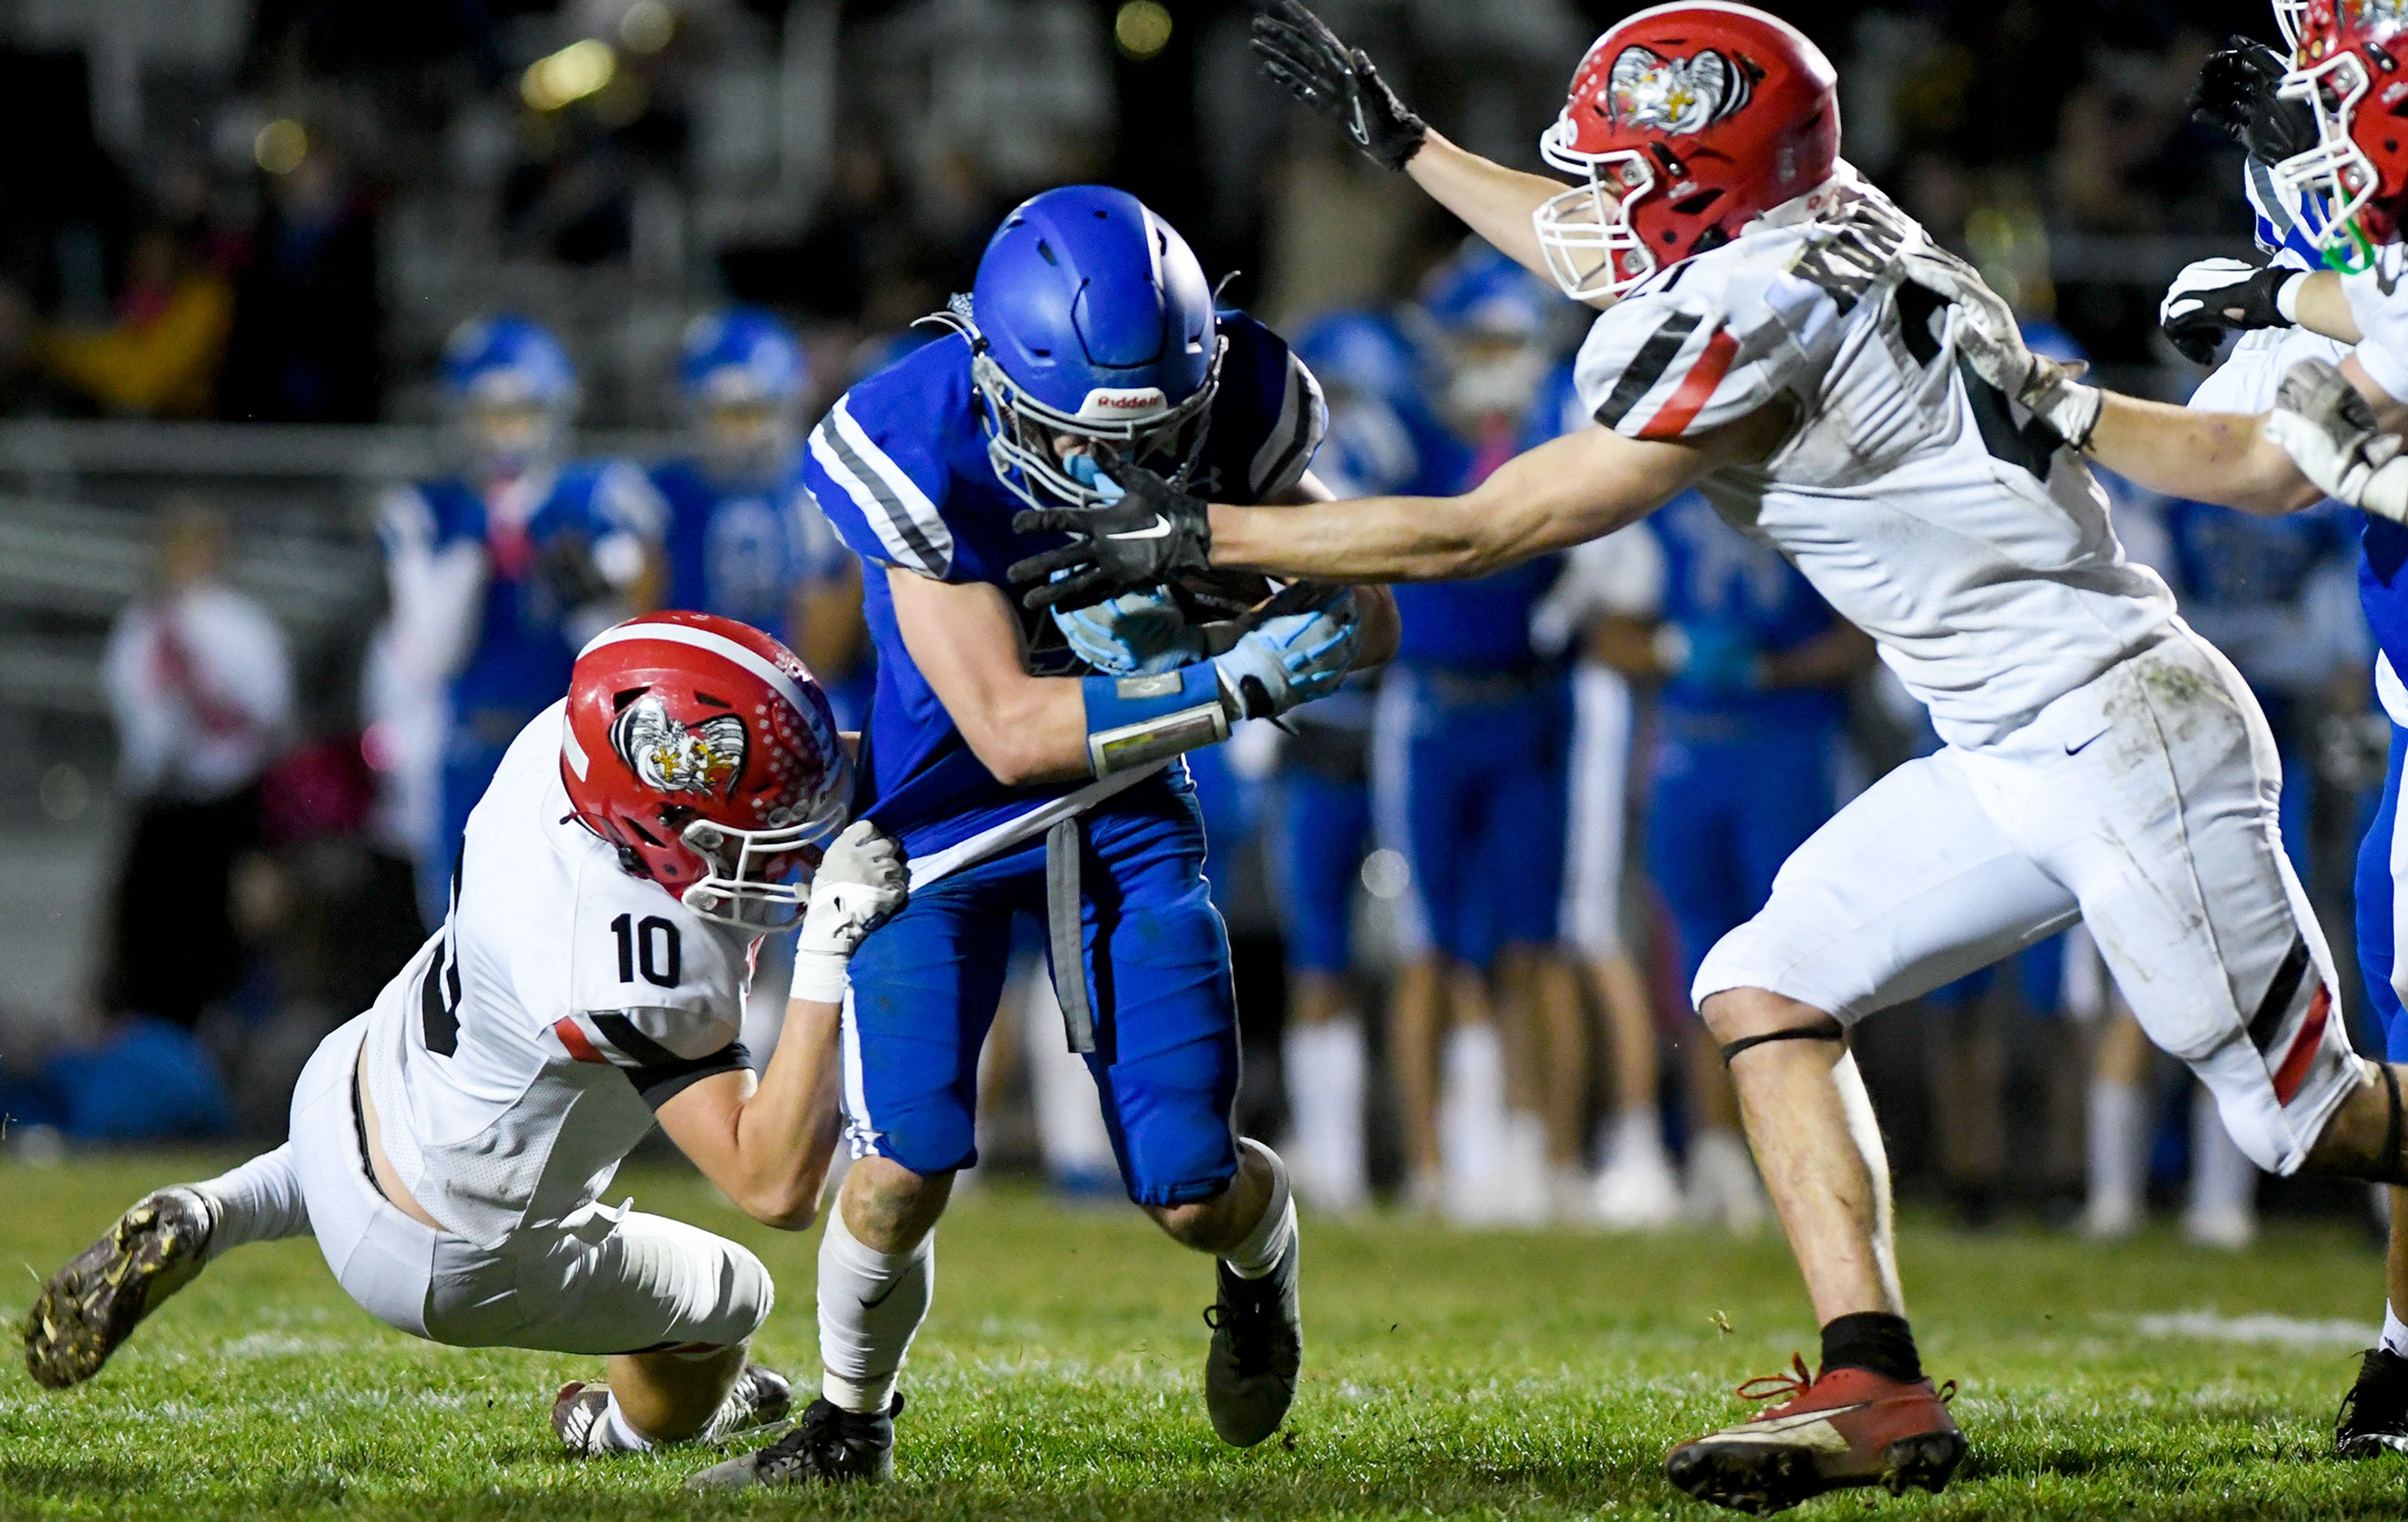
x,y
861,882
2217,297
2331,433
1992,341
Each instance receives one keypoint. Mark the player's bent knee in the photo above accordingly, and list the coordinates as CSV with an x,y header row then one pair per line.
x,y
1737,1015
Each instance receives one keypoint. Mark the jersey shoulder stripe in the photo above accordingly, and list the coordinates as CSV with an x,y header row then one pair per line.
x,y
1647,368
1288,450
1682,408
896,510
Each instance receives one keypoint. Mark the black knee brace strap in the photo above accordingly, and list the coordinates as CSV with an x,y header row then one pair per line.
x,y
2395,1132
1831,1030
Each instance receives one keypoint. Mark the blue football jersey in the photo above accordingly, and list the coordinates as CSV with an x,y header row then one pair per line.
x,y
1714,573
526,644
2286,227
899,467
743,552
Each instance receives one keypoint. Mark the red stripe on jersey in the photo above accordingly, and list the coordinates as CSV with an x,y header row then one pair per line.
x,y
574,1038
2294,1070
1674,418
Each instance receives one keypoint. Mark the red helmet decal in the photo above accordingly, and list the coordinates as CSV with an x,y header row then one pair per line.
x,y
1674,96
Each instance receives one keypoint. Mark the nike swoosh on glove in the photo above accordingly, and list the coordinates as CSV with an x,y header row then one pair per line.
x,y
1291,659
2239,93
2217,297
1991,342
1154,535
2331,433
860,885
1299,51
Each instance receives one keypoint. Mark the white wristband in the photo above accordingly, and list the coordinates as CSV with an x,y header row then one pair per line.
x,y
2287,297
820,977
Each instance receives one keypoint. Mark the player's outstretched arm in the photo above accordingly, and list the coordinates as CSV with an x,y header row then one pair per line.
x,y
766,1144
1579,487
1301,54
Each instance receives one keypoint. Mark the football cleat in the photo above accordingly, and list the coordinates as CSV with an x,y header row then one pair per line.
x,y
1257,1348
830,1445
2374,1414
759,1397
1845,1427
93,1304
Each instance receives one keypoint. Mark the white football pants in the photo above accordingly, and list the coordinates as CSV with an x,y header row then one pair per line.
x,y
2142,804
601,1281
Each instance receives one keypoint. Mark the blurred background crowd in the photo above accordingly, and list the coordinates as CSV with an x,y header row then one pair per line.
x,y
356,361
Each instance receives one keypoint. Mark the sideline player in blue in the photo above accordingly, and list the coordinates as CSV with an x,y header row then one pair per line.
x,y
1468,777
1375,375
745,540
1032,764
501,573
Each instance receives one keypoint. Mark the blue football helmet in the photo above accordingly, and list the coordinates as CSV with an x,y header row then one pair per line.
x,y
1367,354
509,389
740,356
1481,294
1090,319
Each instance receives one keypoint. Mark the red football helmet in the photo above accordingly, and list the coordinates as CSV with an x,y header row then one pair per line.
x,y
2351,56
705,751
1688,121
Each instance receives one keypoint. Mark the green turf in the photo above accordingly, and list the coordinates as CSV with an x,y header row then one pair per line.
x,y
1446,1375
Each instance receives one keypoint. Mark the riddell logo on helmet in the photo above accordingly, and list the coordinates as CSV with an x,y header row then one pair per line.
x,y
1143,401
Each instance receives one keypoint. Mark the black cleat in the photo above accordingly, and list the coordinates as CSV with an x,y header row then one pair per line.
x,y
1257,1348
93,1304
2374,1414
830,1445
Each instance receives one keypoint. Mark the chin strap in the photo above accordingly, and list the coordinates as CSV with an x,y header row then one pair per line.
x,y
1831,1030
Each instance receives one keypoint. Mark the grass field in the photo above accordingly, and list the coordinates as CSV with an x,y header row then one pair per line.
x,y
1446,1375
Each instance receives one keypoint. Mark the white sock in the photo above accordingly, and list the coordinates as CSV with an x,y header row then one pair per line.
x,y
1471,1114
259,1201
1326,1069
871,1304
2395,1331
2118,1163
2223,1180
1267,1242
617,1433
1638,1138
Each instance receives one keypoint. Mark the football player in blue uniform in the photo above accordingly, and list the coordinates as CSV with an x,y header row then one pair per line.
x,y
1032,764
501,573
1375,375
1468,765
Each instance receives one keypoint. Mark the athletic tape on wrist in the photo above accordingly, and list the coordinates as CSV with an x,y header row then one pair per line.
x,y
820,977
2287,297
1134,722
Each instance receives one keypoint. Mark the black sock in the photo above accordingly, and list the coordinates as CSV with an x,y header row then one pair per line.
x,y
1873,1340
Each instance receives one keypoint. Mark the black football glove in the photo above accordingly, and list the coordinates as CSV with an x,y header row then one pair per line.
x,y
1299,51
2217,297
1153,534
2237,94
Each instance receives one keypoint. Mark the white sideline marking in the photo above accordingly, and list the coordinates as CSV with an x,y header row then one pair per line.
x,y
2264,1328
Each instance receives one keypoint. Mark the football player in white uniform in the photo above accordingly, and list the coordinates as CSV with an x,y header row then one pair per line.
x,y
1759,343
450,1148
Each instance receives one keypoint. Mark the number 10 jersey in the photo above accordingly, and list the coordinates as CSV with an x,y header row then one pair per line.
x,y
519,1055
1933,513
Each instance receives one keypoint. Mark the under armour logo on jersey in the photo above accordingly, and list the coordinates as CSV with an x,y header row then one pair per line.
x,y
674,758
1673,94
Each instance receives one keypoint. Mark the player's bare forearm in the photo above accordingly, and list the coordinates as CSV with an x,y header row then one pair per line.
x,y
1833,658
766,1144
1565,492
2219,457
1494,201
1380,628
966,641
2322,309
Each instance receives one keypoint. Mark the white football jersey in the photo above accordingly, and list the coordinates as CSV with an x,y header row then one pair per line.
x,y
519,1055
1925,507
2379,306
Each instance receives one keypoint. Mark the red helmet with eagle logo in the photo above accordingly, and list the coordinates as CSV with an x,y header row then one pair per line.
x,y
1688,121
705,753
2351,69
